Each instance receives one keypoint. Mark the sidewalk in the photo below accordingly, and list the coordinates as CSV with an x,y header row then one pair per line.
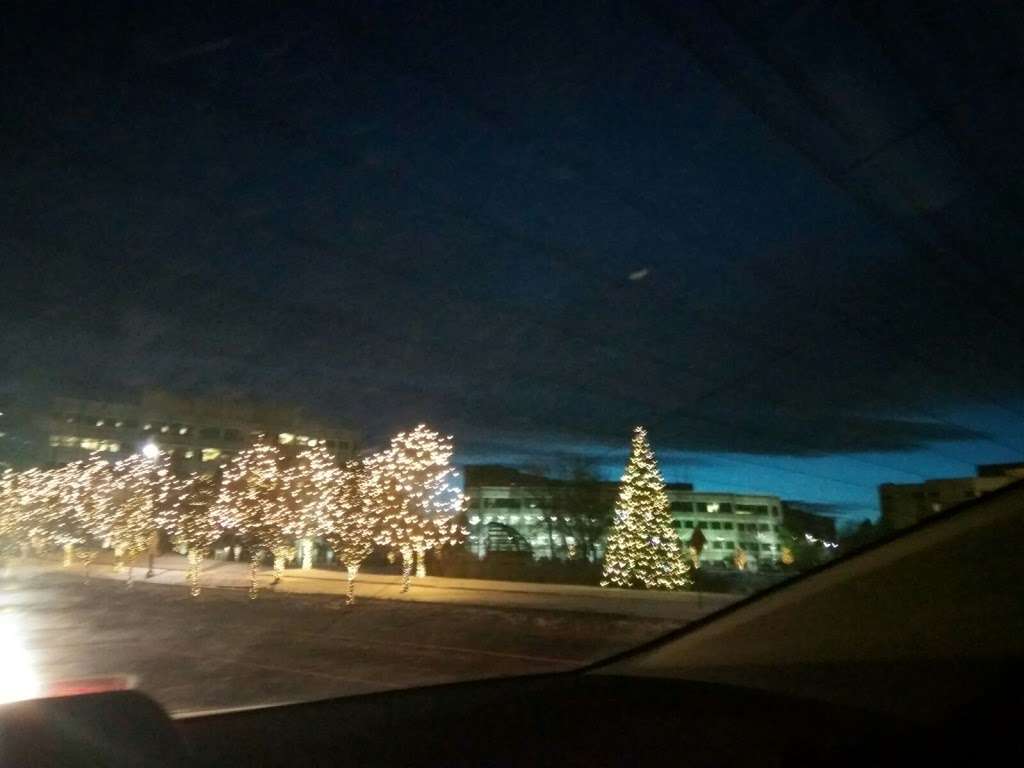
x,y
170,570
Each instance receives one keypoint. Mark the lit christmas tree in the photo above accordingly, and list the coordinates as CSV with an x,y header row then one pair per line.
x,y
347,524
410,496
643,550
190,521
253,502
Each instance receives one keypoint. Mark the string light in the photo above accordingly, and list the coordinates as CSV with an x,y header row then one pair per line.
x,y
346,522
643,550
190,521
402,498
253,501
141,488
410,495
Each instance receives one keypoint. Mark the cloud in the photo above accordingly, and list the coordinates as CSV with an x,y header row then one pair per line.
x,y
396,248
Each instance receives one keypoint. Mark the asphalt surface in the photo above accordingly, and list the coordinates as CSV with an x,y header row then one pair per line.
x,y
222,650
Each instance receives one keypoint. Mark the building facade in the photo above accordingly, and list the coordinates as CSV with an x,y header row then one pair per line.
x,y
508,509
200,434
905,504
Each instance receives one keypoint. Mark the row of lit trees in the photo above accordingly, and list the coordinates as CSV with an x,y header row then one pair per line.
x,y
400,498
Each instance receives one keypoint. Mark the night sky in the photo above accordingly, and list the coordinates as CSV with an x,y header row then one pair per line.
x,y
785,236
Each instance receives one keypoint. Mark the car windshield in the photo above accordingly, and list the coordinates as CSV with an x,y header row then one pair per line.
x,y
348,347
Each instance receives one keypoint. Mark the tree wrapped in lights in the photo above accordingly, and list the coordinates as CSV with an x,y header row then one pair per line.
x,y
13,528
348,525
740,558
411,498
140,489
77,505
253,501
190,521
310,482
643,550
29,499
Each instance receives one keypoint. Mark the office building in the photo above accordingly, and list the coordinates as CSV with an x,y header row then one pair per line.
x,y
905,504
200,434
512,510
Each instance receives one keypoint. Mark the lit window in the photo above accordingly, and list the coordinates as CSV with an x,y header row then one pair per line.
x,y
92,444
183,430
713,507
285,438
147,426
190,454
165,428
100,422
211,454
118,423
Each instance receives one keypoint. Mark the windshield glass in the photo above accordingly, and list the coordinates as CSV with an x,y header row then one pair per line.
x,y
349,347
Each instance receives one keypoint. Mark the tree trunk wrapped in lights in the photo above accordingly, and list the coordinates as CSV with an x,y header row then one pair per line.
x,y
643,550
411,496
346,522
421,559
191,523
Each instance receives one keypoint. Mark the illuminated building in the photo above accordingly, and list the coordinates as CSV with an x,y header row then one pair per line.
x,y
200,434
515,510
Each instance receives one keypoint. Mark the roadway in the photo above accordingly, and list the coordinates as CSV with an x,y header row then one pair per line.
x,y
222,650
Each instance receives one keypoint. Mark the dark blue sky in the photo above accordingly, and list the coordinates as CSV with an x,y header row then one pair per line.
x,y
401,212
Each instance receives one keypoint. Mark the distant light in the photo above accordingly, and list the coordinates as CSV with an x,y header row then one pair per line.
x,y
285,437
150,450
183,431
639,274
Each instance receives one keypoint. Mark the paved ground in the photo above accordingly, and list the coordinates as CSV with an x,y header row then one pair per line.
x,y
170,569
223,650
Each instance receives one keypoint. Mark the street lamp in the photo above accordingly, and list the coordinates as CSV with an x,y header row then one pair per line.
x,y
150,450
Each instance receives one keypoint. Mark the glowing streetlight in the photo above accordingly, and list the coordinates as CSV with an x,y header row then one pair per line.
x,y
151,450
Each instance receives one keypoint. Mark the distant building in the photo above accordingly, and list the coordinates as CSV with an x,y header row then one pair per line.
x,y
904,504
20,439
200,434
508,508
801,521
